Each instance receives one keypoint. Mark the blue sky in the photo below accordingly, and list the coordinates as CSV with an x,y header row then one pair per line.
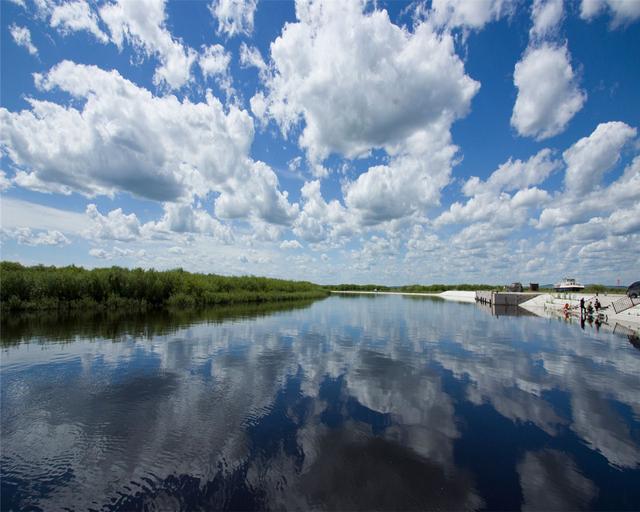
x,y
387,142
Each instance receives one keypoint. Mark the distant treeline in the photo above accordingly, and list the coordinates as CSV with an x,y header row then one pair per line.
x,y
438,288
413,288
42,287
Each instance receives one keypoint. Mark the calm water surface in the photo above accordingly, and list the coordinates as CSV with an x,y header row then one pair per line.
x,y
350,403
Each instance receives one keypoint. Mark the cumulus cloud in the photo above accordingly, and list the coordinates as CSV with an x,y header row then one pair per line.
x,y
214,60
468,14
490,200
235,17
142,24
256,194
25,236
546,16
409,184
290,244
116,225
77,16
338,69
319,220
515,174
591,157
622,12
22,37
184,218
570,207
126,139
548,92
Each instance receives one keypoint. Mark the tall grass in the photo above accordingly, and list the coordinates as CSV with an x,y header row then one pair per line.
x,y
41,287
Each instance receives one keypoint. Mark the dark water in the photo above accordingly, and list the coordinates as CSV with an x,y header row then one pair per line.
x,y
349,403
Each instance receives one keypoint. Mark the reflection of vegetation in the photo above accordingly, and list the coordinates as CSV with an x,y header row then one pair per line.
x,y
40,287
113,324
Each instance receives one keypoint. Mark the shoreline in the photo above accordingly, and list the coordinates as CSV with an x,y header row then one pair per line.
x,y
457,295
541,304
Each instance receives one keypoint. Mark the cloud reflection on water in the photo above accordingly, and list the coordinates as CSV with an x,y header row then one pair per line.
x,y
323,407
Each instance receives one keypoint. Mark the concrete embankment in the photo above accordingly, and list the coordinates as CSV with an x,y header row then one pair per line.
x,y
554,302
504,298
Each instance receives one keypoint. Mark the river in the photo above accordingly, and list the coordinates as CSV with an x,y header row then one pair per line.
x,y
359,402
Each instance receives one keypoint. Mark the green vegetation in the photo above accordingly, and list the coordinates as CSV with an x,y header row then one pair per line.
x,y
40,287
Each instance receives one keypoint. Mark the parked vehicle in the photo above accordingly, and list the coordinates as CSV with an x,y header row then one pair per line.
x,y
515,287
634,290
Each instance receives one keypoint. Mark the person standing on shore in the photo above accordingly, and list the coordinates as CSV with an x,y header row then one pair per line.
x,y
581,305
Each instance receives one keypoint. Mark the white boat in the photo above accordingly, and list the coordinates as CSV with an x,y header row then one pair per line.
x,y
568,285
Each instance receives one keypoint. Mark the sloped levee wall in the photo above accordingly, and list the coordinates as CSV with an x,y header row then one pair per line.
x,y
504,298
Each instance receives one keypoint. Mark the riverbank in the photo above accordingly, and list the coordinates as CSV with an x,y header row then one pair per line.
x,y
457,295
65,288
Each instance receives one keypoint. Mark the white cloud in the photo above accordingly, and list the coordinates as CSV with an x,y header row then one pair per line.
x,y
339,69
515,174
548,92
473,14
99,253
409,184
142,24
250,57
126,139
319,220
117,252
256,194
77,16
591,157
25,236
22,37
114,226
183,218
572,208
623,11
5,183
546,16
214,60
290,244
489,200
501,209
235,17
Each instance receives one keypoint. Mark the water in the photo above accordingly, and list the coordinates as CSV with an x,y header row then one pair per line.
x,y
349,403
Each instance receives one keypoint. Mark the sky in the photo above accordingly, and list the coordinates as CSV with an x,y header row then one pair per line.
x,y
366,142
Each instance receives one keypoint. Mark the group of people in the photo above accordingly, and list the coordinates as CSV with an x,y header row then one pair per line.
x,y
589,309
586,311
